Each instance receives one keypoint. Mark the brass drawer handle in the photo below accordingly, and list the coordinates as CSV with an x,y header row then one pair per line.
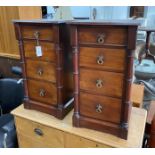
x,y
99,83
42,92
100,60
38,132
36,35
99,108
40,72
101,38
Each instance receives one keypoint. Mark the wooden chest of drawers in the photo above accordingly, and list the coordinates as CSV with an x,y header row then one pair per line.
x,y
47,73
103,61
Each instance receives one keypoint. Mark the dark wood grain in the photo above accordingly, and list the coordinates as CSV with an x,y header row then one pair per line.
x,y
21,50
111,107
41,70
114,73
112,35
45,33
35,87
48,80
112,83
48,50
113,59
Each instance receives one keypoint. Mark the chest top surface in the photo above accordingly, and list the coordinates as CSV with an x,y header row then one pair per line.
x,y
104,22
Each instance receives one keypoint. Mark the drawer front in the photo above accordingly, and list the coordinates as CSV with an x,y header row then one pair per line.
x,y
41,70
101,82
100,107
33,134
45,92
48,51
40,32
103,35
103,58
80,142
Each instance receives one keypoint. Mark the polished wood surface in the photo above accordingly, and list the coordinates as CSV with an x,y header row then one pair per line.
x,y
113,59
47,78
41,70
111,35
48,50
75,137
42,91
45,33
111,83
105,81
110,107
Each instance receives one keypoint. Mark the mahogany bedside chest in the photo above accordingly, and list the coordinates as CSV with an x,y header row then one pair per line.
x,y
47,70
103,62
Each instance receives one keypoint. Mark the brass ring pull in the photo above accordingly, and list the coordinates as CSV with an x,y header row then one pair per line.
x,y
40,72
99,108
100,60
99,83
36,35
42,92
100,38
38,132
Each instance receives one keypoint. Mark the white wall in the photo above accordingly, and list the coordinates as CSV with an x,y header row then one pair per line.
x,y
150,10
150,16
110,12
103,12
80,11
121,12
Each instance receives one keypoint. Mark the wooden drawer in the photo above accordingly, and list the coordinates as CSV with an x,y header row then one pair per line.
x,y
41,70
103,58
101,35
100,107
32,134
48,50
101,82
44,32
45,92
80,142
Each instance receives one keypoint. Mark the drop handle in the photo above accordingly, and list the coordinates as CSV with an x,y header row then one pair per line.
x,y
38,132
36,35
99,83
40,72
42,92
101,38
99,108
100,59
